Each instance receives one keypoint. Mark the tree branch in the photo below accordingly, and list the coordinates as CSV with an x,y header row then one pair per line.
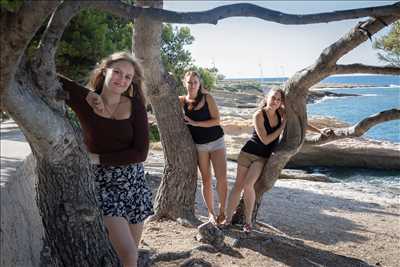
x,y
325,65
43,63
17,30
360,68
212,16
56,26
358,129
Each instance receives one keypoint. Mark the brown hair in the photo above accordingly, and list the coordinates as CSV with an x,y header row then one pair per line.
x,y
200,92
135,90
272,91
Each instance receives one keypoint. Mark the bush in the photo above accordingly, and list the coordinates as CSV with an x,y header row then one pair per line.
x,y
154,134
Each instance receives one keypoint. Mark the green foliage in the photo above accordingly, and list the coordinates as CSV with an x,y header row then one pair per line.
x,y
154,134
177,60
91,36
175,57
73,118
11,5
208,76
389,45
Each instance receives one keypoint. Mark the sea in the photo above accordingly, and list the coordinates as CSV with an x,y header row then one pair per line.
x,y
377,93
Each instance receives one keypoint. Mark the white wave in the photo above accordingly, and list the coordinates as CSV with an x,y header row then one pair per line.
x,y
328,98
369,95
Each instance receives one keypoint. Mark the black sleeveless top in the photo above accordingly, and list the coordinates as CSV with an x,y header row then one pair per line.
x,y
255,146
202,135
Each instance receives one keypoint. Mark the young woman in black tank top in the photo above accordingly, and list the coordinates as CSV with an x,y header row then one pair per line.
x,y
202,118
269,122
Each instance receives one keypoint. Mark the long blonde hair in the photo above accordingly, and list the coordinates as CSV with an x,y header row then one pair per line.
x,y
136,88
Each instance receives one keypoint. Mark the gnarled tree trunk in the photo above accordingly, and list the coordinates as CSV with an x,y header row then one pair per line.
x,y
296,90
176,194
74,230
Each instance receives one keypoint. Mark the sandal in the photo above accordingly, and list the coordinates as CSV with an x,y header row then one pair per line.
x,y
212,220
221,218
247,228
225,224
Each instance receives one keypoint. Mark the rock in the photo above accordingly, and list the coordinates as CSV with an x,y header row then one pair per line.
x,y
144,259
210,234
349,152
314,96
195,263
303,175
21,225
184,222
206,247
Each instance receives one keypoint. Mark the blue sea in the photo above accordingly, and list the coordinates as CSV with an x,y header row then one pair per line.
x,y
384,95
376,80
352,109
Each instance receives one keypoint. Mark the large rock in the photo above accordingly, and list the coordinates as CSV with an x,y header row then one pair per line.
x,y
21,224
351,152
210,234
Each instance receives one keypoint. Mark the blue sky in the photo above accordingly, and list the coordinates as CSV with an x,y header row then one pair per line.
x,y
250,47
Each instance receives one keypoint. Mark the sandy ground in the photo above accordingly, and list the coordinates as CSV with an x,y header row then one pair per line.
x,y
336,218
348,219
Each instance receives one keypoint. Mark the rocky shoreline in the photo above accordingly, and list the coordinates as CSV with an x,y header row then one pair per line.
x,y
248,93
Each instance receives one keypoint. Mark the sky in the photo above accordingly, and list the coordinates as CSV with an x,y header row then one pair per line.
x,y
246,47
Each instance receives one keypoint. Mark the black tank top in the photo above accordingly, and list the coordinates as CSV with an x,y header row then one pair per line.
x,y
255,146
202,135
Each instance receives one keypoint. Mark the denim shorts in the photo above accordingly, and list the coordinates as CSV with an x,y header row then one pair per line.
x,y
211,146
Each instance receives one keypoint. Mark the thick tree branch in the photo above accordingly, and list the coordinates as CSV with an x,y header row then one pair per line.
x,y
326,63
212,16
358,129
296,89
43,63
361,68
56,26
17,29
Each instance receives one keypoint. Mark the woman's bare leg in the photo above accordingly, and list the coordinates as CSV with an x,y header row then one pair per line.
x,y
120,236
218,159
204,166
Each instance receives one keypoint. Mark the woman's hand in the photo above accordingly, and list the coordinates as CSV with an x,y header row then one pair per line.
x,y
95,102
282,113
189,121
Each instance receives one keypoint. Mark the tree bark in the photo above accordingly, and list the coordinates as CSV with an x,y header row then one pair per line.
x,y
214,15
19,33
358,129
176,194
296,89
73,225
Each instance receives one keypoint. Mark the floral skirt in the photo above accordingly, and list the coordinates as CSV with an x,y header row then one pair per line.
x,y
122,191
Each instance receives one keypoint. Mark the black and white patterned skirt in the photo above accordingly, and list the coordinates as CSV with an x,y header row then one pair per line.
x,y
123,192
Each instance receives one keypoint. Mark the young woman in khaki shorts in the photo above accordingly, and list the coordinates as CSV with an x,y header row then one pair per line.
x,y
269,122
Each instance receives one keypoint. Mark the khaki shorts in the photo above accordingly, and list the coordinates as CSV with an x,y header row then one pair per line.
x,y
246,159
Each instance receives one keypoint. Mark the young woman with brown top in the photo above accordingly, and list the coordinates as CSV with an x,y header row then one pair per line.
x,y
202,118
115,128
269,122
